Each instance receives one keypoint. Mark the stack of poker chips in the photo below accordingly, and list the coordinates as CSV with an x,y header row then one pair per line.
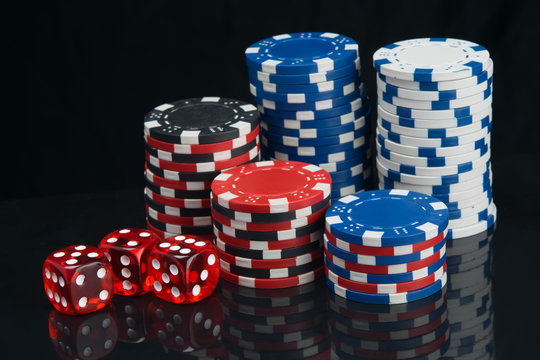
x,y
418,329
386,246
434,126
272,324
313,104
268,222
188,143
470,310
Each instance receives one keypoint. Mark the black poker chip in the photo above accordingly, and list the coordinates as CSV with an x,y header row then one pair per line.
x,y
271,235
263,254
177,194
201,120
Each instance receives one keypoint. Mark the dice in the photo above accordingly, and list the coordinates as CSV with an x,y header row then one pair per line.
x,y
183,269
128,251
131,315
185,328
78,279
91,336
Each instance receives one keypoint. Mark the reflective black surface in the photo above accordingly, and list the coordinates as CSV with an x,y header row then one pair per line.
x,y
488,309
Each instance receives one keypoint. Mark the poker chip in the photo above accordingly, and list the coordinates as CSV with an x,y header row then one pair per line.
x,y
313,103
315,236
421,59
279,54
188,143
267,254
272,283
270,264
434,126
277,235
275,273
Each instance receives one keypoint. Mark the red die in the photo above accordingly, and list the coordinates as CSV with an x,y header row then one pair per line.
x,y
128,251
183,269
185,328
91,336
78,279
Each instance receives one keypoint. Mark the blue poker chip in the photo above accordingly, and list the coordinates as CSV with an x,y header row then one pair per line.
x,y
301,53
353,106
345,189
325,91
284,92
355,170
334,159
311,78
387,298
387,218
315,150
435,105
380,260
385,311
337,121
294,141
384,279
344,178
314,132
341,100
434,133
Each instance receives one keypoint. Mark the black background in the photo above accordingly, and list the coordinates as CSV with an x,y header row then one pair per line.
x,y
85,75
81,77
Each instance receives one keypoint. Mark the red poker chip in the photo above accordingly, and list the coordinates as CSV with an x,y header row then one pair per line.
x,y
386,269
180,229
272,283
277,295
384,251
269,245
205,166
271,187
275,226
270,264
386,288
180,203
202,148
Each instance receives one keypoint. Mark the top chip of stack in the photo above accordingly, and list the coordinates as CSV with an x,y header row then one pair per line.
x,y
313,104
268,221
188,143
434,126
386,246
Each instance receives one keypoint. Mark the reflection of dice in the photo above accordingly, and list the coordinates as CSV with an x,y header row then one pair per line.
x,y
128,251
183,269
185,328
78,279
131,315
90,336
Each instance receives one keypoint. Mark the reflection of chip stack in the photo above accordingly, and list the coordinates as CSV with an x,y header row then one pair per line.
x,y
434,126
417,329
313,104
470,308
274,324
188,143
268,222
386,246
